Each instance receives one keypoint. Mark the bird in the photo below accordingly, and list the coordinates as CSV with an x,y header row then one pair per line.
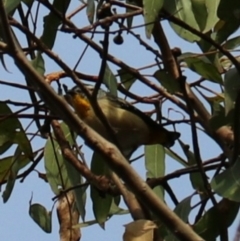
x,y
132,127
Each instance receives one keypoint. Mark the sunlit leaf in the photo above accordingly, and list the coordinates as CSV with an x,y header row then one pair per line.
x,y
167,81
155,165
182,9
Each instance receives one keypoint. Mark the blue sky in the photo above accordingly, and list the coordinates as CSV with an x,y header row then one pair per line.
x,y
15,223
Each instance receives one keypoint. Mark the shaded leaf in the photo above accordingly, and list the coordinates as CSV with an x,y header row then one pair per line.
x,y
167,81
232,43
227,28
155,165
203,67
228,9
11,5
232,86
196,178
41,216
226,184
183,209
52,22
151,11
90,10
6,165
17,162
101,201
126,78
110,81
222,215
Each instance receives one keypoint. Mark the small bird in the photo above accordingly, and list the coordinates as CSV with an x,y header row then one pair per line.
x,y
132,127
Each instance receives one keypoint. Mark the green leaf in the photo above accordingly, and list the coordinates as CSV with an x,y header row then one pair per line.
x,y
196,178
110,81
11,5
183,10
18,161
212,18
227,28
218,118
183,209
55,165
203,67
52,22
6,165
101,201
38,64
41,216
151,11
176,157
130,19
60,173
90,10
228,9
215,219
232,86
226,184
167,81
155,165
232,43
116,210
126,78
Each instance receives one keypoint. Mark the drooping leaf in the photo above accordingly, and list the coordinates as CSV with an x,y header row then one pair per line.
x,y
212,17
52,22
151,11
90,10
16,164
110,80
101,201
41,216
167,81
155,165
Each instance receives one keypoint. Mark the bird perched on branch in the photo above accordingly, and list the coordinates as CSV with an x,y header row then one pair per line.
x,y
131,127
